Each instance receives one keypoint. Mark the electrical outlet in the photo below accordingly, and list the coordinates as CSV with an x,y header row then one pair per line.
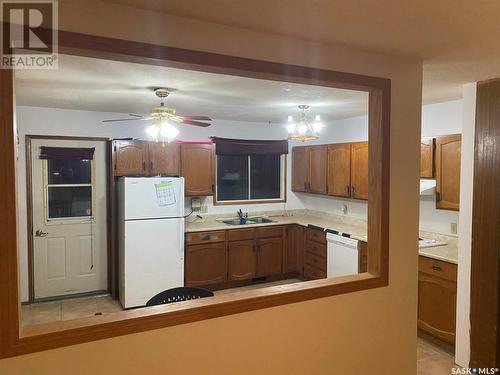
x,y
453,228
196,204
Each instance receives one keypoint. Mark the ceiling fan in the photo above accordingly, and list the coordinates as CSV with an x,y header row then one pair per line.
x,y
163,116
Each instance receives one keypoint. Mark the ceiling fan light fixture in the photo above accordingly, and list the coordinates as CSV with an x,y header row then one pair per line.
x,y
153,131
168,131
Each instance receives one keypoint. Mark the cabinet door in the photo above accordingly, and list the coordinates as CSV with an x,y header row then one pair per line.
x,y
339,170
164,159
318,158
448,154
198,165
242,260
131,158
359,170
269,256
206,264
299,168
427,158
293,249
437,306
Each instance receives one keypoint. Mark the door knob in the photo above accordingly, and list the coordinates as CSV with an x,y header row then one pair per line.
x,y
40,233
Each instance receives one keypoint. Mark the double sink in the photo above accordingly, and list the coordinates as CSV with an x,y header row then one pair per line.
x,y
249,220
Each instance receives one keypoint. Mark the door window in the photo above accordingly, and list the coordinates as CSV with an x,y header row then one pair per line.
x,y
68,189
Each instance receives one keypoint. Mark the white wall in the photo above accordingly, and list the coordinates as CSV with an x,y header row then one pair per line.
x,y
442,118
462,341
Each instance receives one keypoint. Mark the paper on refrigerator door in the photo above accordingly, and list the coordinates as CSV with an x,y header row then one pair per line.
x,y
165,194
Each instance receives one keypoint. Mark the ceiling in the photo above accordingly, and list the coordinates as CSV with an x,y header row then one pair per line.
x,y
457,39
110,86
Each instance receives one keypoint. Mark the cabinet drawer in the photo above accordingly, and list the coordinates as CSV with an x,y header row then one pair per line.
x,y
316,235
203,237
271,231
315,260
313,273
445,270
316,248
241,234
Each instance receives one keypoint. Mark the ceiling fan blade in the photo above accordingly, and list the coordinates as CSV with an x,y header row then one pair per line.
x,y
202,118
195,123
128,119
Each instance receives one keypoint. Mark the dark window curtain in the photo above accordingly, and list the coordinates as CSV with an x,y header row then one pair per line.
x,y
60,153
227,146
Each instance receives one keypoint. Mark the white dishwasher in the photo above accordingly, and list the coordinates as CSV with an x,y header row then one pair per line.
x,y
342,256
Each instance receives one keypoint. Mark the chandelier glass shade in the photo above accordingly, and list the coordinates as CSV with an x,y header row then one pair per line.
x,y
303,129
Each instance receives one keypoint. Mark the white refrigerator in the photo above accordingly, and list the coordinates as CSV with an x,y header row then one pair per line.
x,y
151,237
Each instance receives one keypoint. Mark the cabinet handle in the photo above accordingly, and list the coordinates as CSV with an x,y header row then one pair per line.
x,y
151,165
305,185
144,165
254,248
437,268
213,188
206,237
353,190
348,189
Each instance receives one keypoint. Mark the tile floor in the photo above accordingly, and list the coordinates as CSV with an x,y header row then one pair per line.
x,y
67,309
433,359
45,312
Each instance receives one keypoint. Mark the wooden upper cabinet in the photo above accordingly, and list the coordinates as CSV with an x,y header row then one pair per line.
x,y
359,170
448,154
131,158
339,170
198,169
427,158
270,256
242,259
300,166
318,159
206,264
164,159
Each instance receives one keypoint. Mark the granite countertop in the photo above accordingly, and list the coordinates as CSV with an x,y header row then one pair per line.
x,y
447,253
355,227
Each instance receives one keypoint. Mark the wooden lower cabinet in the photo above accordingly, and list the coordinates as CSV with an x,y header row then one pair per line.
x,y
206,264
242,260
315,254
293,249
269,256
437,298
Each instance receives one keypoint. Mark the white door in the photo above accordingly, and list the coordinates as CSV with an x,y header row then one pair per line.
x,y
69,220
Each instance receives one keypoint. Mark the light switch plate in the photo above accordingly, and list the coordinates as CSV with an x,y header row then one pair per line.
x,y
453,228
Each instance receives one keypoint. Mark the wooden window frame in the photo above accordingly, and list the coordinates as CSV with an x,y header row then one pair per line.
x,y
16,341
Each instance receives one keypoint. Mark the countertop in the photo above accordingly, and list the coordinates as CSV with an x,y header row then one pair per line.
x,y
355,227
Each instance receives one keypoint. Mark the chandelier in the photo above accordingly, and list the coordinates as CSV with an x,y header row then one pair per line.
x,y
303,130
